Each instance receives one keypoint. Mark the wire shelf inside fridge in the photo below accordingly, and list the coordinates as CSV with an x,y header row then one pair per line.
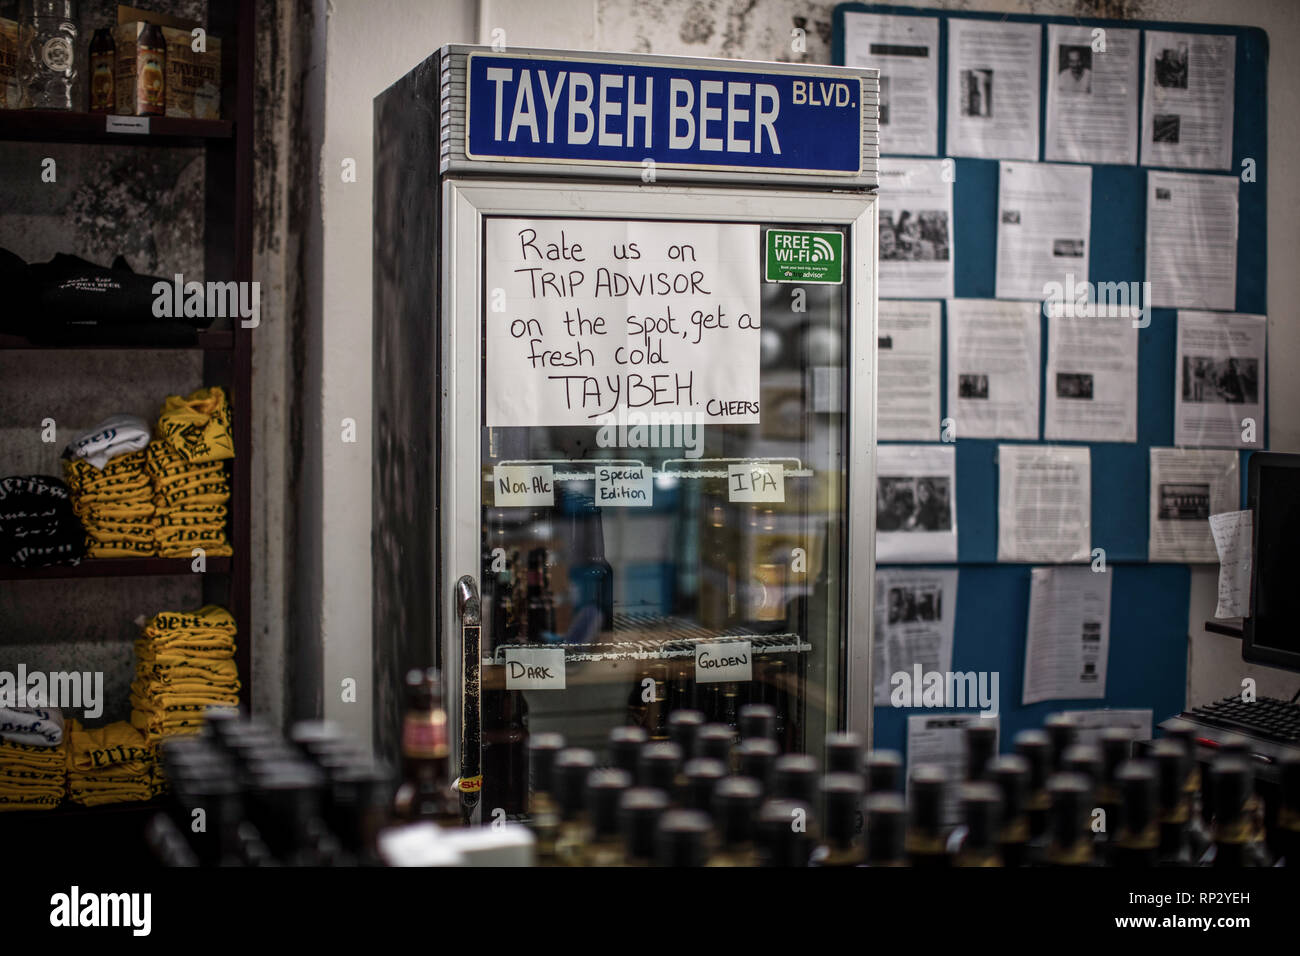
x,y
645,637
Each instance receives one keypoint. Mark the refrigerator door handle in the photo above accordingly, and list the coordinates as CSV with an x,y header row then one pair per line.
x,y
469,611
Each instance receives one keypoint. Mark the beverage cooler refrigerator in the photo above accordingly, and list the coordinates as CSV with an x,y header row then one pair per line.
x,y
624,398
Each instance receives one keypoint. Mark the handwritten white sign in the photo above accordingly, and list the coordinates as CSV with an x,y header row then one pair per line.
x,y
138,125
535,668
624,486
755,481
593,322
723,661
523,486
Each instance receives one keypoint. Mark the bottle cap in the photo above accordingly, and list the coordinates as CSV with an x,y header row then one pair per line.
x,y
844,753
981,747
795,777
1010,774
572,767
1136,782
884,770
682,728
658,765
1061,731
981,805
682,838
756,757
542,751
1116,747
1035,747
714,741
1170,759
757,721
625,745
1085,759
638,816
735,807
702,776
605,789
1232,781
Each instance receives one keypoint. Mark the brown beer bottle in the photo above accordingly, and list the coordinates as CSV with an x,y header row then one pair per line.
x,y
1010,774
735,809
151,57
1069,840
982,813
103,67
886,824
926,843
841,843
425,792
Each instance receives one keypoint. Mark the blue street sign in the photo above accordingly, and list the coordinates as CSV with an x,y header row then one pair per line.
x,y
562,109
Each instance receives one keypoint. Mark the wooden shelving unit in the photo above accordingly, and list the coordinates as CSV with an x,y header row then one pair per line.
x,y
227,354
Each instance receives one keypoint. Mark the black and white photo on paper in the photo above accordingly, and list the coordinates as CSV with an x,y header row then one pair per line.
x,y
910,604
1074,385
913,503
1231,381
972,385
1163,195
914,235
1184,501
1171,67
1011,217
1073,69
884,101
1067,248
977,93
1165,128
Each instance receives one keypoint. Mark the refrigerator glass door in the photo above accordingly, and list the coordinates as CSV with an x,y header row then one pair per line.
x,y
649,456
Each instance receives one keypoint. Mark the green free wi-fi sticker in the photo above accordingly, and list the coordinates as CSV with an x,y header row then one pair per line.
x,y
796,255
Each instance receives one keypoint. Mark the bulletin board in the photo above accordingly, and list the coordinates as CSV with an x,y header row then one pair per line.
x,y
1147,665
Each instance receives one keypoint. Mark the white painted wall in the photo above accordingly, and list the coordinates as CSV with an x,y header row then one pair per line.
x,y
370,44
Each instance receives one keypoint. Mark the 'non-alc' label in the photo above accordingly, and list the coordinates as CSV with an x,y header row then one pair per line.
x,y
523,486
723,661
535,668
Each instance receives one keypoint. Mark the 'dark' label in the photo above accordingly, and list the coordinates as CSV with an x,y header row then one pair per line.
x,y
723,661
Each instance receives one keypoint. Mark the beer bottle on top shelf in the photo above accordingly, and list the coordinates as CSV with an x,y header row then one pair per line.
x,y
981,747
700,777
757,721
780,700
981,805
425,792
1035,747
844,753
639,811
886,827
1137,825
1010,774
591,575
785,833
625,745
540,606
1070,840
715,742
756,758
1061,732
1232,781
656,724
884,771
926,842
505,751
1285,838
841,843
1170,761
658,766
571,769
543,810
605,788
682,838
683,726
735,818
729,715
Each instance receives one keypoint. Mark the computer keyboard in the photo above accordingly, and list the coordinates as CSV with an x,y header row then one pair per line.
x,y
1267,718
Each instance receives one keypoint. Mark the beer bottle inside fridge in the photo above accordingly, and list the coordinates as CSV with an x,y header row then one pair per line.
x,y
425,792
505,751
1137,825
1010,774
841,843
605,789
886,826
981,804
540,607
735,819
926,841
591,575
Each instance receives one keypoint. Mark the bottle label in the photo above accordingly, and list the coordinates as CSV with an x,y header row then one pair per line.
x,y
425,736
56,54
151,79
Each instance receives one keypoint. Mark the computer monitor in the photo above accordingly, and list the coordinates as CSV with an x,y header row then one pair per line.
x,y
1271,634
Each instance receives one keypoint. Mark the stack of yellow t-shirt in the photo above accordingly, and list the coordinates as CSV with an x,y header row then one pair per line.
x,y
186,463
185,663
31,778
112,764
116,506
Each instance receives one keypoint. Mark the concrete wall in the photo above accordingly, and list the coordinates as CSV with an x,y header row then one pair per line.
x,y
368,45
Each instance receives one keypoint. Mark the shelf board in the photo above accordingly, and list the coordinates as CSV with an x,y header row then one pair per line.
x,y
62,126
204,341
113,568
